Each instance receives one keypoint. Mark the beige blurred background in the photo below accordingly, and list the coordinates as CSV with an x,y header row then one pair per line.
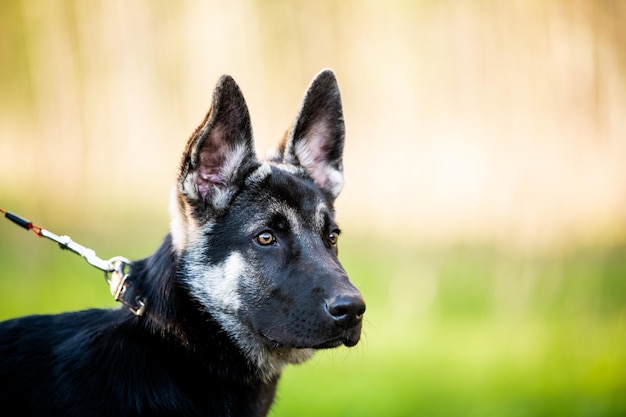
x,y
496,121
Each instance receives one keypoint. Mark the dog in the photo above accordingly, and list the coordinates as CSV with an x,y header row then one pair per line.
x,y
246,282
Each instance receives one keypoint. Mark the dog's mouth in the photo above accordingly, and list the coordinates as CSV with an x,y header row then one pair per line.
x,y
348,339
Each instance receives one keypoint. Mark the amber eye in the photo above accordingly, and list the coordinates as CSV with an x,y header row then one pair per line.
x,y
265,239
333,237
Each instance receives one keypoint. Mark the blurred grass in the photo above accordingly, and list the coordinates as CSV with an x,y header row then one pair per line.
x,y
465,330
501,335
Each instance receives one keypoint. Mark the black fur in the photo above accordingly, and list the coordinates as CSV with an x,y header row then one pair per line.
x,y
174,361
246,282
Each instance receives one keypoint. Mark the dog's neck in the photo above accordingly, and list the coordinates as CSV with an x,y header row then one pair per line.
x,y
176,319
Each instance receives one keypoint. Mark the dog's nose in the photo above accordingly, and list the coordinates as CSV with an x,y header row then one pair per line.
x,y
346,309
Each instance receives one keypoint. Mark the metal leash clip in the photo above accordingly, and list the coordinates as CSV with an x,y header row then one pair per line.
x,y
118,279
116,270
65,242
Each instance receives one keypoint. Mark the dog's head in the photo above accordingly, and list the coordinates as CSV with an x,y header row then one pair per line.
x,y
257,239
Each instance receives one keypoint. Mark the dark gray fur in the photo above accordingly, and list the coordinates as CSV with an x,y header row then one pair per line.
x,y
246,282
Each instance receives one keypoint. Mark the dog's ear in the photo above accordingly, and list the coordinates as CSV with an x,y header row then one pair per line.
x,y
315,141
220,150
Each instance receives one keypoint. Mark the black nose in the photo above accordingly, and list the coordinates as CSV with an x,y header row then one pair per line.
x,y
346,310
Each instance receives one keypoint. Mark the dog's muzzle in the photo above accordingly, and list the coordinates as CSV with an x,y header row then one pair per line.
x,y
340,326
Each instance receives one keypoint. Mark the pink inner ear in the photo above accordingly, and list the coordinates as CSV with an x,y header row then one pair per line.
x,y
211,161
314,151
313,155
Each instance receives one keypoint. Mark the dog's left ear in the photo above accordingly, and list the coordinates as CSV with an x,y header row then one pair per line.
x,y
315,142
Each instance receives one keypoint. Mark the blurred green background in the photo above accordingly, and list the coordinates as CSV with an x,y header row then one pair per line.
x,y
484,212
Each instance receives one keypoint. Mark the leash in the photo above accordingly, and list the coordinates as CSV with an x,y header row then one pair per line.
x,y
117,270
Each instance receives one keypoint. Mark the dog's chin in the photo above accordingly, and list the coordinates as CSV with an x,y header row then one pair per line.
x,y
344,339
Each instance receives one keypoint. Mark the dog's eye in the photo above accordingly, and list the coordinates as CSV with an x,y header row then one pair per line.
x,y
333,237
265,239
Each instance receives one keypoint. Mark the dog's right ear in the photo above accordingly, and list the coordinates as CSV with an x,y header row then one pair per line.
x,y
219,151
